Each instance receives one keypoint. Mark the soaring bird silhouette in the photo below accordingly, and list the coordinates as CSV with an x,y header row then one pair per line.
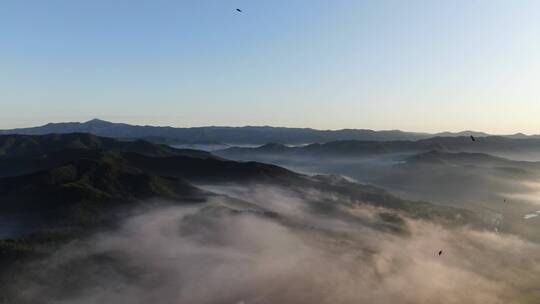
x,y
472,138
440,252
238,10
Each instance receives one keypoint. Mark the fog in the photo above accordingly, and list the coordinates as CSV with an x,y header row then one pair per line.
x,y
271,245
210,147
465,183
492,187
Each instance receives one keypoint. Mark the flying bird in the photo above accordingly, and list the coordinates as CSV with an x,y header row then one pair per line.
x,y
472,138
440,252
238,10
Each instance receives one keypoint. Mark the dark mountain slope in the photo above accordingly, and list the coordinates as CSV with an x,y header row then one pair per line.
x,y
80,190
213,170
58,177
471,159
24,154
21,146
484,144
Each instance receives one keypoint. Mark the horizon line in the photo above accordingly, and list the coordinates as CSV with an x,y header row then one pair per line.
x,y
267,126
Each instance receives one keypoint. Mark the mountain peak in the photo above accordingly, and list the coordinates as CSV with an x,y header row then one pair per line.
x,y
97,121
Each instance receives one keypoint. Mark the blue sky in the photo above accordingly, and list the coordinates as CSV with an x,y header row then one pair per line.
x,y
412,65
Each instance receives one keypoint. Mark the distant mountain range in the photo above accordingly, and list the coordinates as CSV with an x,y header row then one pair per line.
x,y
354,148
232,135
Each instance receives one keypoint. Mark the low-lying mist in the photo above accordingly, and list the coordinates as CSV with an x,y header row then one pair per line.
x,y
488,185
277,247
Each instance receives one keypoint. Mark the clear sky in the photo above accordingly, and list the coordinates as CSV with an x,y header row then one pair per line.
x,y
412,65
